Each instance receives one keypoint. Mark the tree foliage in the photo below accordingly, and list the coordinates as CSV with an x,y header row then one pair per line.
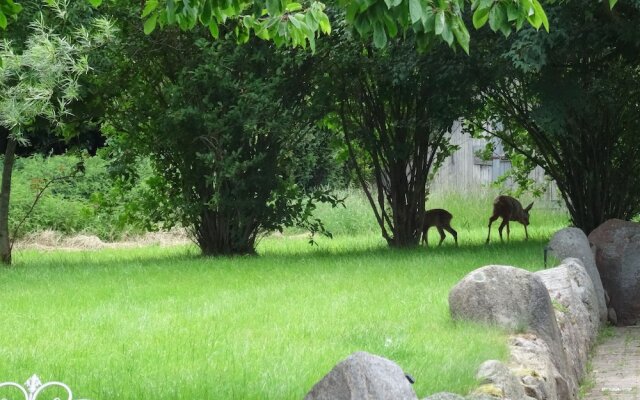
x,y
229,148
298,23
38,82
570,103
395,108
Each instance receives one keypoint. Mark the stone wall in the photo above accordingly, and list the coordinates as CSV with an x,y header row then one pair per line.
x,y
554,316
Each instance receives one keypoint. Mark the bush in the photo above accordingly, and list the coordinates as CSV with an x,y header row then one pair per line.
x,y
91,202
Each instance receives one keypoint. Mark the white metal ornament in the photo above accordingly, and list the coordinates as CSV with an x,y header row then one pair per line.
x,y
33,387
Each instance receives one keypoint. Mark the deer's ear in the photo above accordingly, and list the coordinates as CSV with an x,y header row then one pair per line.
x,y
529,207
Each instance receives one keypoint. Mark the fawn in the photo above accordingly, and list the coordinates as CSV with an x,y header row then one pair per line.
x,y
441,219
509,209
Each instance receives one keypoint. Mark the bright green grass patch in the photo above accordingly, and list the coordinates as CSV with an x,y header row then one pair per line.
x,y
159,323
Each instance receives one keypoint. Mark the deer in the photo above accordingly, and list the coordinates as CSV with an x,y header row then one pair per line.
x,y
509,209
441,219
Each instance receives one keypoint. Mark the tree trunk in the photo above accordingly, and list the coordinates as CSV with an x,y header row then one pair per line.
x,y
5,197
225,235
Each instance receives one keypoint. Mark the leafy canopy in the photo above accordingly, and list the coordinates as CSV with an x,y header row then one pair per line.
x,y
299,23
295,23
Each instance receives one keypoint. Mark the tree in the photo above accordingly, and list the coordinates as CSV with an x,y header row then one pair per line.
x,y
296,23
225,134
570,103
396,107
291,22
38,83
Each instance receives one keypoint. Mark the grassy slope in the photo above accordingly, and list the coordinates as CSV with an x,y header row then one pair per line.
x,y
165,324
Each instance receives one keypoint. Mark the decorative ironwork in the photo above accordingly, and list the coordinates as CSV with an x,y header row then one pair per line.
x,y
33,387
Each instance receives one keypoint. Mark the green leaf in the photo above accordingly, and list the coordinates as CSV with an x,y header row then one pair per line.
x,y
512,12
293,7
312,43
213,28
325,26
506,30
263,34
243,36
480,17
205,15
429,23
535,20
612,3
295,22
150,24
447,34
352,11
542,15
273,7
149,7
390,24
311,21
3,20
379,36
497,17
415,11
171,11
527,6
482,4
95,3
462,34
441,22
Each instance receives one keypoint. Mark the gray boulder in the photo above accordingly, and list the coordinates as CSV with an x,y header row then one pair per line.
x,y
572,242
617,245
363,376
444,396
509,297
537,371
496,378
517,300
577,312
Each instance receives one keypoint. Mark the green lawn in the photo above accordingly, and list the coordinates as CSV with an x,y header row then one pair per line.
x,y
163,323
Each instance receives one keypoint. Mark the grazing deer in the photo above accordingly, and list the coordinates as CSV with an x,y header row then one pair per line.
x,y
441,219
509,209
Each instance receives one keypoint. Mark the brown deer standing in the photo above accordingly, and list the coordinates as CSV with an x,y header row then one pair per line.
x,y
509,209
441,219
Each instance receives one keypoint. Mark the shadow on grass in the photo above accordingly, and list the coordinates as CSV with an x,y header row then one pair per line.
x,y
186,256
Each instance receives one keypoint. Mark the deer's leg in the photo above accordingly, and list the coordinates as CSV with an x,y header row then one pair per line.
x,y
452,232
493,218
442,235
504,223
425,236
526,234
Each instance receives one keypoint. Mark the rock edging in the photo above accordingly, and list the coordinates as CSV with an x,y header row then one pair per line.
x,y
554,316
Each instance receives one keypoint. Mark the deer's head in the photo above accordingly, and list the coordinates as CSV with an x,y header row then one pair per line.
x,y
524,218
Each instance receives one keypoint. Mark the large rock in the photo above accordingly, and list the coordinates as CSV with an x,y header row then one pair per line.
x,y
496,379
514,299
509,297
572,242
577,312
617,245
363,376
444,396
531,360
